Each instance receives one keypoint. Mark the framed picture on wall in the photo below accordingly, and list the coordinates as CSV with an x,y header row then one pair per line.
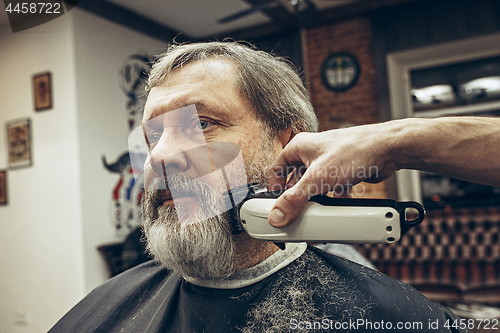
x,y
3,187
42,84
19,143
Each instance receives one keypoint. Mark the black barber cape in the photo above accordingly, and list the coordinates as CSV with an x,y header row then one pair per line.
x,y
299,289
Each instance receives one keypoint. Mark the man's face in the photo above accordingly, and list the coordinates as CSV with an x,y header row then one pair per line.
x,y
223,114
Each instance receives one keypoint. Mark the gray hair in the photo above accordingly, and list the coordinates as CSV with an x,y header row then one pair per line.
x,y
270,83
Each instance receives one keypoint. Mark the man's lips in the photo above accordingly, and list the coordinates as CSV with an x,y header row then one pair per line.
x,y
166,198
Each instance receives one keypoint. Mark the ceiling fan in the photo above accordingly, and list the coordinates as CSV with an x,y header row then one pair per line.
x,y
304,10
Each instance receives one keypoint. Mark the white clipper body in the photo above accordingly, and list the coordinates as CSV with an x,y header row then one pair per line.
x,y
330,220
320,223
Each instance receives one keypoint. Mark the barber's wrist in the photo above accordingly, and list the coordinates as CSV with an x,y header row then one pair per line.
x,y
403,142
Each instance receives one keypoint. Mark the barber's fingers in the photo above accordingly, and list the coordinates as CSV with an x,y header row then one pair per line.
x,y
287,161
292,202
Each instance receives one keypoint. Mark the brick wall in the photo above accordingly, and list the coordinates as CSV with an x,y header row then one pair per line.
x,y
355,106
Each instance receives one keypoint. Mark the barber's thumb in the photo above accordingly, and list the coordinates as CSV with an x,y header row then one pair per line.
x,y
287,208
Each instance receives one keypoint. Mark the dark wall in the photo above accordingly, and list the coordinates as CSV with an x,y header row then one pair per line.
x,y
434,21
286,44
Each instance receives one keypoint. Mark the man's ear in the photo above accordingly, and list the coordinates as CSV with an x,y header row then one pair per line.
x,y
286,136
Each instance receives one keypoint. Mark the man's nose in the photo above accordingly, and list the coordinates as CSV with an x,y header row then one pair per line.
x,y
168,156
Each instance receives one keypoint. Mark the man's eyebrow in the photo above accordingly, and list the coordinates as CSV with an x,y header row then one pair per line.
x,y
211,110
199,105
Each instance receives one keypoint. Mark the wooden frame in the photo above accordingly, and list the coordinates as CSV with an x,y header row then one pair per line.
x,y
19,143
3,187
42,88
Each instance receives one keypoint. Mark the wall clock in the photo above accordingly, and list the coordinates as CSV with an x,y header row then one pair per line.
x,y
340,71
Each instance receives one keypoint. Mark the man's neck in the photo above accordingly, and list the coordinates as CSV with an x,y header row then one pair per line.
x,y
250,251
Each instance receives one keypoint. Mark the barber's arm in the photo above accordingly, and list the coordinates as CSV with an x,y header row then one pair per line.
x,y
466,148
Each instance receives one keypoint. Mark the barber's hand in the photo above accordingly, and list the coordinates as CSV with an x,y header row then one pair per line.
x,y
333,160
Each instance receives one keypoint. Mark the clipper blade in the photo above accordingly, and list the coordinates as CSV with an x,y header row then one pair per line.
x,y
248,191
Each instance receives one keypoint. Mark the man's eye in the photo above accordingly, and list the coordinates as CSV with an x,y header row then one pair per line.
x,y
203,124
153,138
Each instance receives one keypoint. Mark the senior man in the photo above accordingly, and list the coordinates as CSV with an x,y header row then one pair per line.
x,y
204,278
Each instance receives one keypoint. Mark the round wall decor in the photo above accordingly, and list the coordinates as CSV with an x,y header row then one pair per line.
x,y
340,71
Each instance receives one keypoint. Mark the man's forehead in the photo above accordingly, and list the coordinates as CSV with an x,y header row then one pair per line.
x,y
198,83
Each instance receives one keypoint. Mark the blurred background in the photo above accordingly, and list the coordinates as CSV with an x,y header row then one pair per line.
x,y
71,92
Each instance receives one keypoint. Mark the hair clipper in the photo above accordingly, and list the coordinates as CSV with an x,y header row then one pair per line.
x,y
324,219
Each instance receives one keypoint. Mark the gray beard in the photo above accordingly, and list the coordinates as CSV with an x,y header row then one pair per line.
x,y
202,247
